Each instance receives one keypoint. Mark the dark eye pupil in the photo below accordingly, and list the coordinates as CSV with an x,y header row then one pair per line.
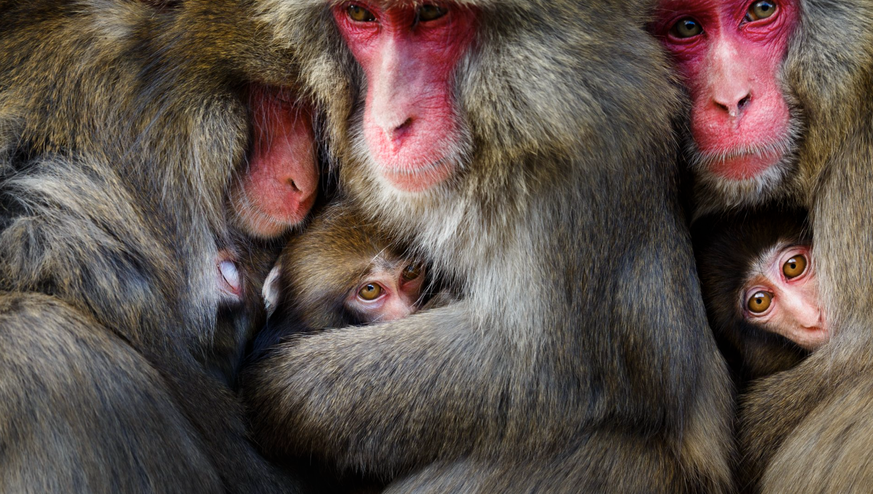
x,y
430,12
360,14
686,28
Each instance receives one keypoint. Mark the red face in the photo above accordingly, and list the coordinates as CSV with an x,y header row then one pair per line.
x,y
408,53
782,297
281,181
729,54
388,293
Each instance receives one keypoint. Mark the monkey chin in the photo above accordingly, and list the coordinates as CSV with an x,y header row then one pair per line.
x,y
409,173
714,192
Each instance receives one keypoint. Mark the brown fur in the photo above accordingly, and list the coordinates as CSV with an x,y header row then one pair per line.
x,y
806,430
122,127
567,366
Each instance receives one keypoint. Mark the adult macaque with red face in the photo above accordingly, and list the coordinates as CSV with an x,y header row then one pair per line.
x,y
503,140
149,151
742,130
802,70
760,289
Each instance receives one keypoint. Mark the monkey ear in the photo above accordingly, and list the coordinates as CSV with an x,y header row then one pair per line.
x,y
271,291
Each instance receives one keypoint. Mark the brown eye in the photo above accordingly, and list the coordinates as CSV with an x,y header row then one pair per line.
x,y
761,9
360,14
686,28
370,291
429,12
794,267
759,302
411,272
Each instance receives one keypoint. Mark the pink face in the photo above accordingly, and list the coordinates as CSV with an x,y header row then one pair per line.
x,y
388,293
729,53
782,296
281,181
409,52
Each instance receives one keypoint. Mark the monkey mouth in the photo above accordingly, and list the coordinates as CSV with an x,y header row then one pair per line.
x,y
744,163
419,177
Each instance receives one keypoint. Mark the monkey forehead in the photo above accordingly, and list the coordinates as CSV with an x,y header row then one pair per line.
x,y
768,263
667,6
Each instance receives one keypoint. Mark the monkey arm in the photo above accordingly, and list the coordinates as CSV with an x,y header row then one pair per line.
x,y
386,391
459,380
821,405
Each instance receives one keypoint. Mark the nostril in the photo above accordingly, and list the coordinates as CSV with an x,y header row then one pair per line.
x,y
293,185
743,102
405,125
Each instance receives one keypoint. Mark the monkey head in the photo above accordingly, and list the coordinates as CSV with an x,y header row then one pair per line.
x,y
759,287
342,271
743,126
780,295
237,87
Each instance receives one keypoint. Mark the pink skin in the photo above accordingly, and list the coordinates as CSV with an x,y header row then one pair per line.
x,y
731,71
409,123
282,179
794,310
228,277
397,299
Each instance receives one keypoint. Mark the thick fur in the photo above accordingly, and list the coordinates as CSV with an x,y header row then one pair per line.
x,y
725,248
122,126
579,358
808,429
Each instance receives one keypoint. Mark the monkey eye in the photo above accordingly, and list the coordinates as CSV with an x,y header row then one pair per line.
x,y
430,12
794,266
370,291
686,27
360,14
761,9
412,271
759,302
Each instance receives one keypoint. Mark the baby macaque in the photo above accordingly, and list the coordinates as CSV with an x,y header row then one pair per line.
x,y
341,271
758,280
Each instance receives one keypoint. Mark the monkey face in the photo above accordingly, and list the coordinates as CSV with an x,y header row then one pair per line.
x,y
387,293
280,183
781,296
729,55
408,53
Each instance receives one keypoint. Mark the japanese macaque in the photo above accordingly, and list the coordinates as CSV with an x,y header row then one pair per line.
x,y
340,271
152,156
760,289
523,148
781,109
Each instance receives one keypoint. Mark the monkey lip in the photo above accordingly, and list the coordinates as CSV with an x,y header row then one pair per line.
x,y
418,177
742,165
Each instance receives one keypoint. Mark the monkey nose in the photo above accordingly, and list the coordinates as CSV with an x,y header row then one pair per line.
x,y
732,105
394,133
301,189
